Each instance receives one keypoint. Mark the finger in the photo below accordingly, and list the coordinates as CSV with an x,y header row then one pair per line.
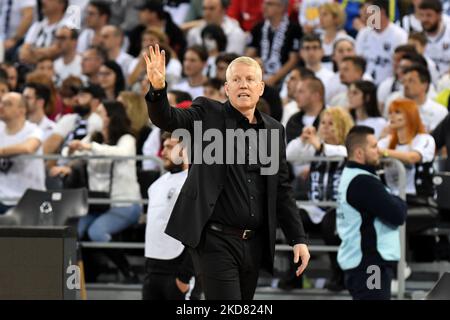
x,y
157,51
146,58
296,256
303,266
163,60
152,54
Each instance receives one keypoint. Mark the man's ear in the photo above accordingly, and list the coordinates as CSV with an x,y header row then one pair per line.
x,y
225,87
263,85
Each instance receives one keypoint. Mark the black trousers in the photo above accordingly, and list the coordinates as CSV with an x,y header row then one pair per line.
x,y
227,265
160,286
356,283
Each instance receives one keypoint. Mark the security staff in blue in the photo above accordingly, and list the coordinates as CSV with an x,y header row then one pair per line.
x,y
367,220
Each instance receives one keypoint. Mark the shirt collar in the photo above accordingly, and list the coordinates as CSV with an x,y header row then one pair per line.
x,y
239,117
353,164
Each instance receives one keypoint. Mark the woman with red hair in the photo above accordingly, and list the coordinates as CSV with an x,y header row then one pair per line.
x,y
409,143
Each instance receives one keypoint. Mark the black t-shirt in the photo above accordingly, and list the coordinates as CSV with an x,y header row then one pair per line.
x,y
291,42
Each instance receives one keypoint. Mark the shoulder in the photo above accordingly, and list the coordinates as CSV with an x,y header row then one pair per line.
x,y
384,143
422,138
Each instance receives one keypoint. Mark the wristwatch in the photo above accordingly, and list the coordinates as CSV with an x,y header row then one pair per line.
x,y
385,153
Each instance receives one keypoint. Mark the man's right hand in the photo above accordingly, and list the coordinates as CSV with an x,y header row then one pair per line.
x,y
156,67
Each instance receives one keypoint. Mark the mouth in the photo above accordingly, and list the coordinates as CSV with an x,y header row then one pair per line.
x,y
243,95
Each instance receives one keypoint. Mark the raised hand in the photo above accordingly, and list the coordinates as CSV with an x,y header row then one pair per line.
x,y
156,67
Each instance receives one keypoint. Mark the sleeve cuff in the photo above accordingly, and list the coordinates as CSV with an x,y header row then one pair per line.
x,y
299,240
155,95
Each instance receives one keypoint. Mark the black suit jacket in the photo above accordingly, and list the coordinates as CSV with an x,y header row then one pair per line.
x,y
204,184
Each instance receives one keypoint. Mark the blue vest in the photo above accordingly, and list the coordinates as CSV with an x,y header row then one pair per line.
x,y
354,247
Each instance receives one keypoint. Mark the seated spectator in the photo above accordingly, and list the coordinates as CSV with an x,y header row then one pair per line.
x,y
290,106
110,177
351,69
82,122
112,41
411,22
312,53
377,45
310,101
17,137
332,19
69,63
215,42
363,105
136,109
18,17
152,15
276,41
37,97
111,79
92,59
247,12
419,41
409,143
416,81
97,16
393,83
367,220
335,123
39,40
193,65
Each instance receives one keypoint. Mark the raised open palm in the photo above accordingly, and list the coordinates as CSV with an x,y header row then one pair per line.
x,y
156,67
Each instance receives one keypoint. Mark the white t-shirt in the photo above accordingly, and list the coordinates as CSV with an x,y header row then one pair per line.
x,y
67,124
124,60
185,86
328,47
438,49
308,120
422,143
324,75
63,71
432,113
378,49
47,126
376,123
85,40
151,147
41,33
14,13
162,195
289,110
17,175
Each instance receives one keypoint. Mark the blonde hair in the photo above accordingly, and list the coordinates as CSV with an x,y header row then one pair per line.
x,y
157,33
342,122
247,61
136,109
336,11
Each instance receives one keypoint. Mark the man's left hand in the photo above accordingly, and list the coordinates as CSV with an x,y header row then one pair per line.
x,y
301,252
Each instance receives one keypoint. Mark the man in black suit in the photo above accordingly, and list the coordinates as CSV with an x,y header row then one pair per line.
x,y
228,213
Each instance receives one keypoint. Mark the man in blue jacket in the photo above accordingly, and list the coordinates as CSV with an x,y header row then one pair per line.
x,y
367,220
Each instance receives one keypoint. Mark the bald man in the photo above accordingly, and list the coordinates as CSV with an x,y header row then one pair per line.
x,y
18,137
111,41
